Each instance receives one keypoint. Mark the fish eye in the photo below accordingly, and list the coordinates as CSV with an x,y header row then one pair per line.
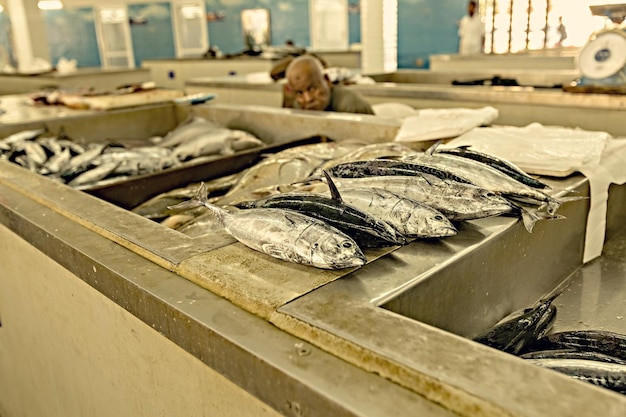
x,y
438,217
347,245
316,245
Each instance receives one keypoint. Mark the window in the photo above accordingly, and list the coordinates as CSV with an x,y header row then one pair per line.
x,y
190,30
329,25
113,34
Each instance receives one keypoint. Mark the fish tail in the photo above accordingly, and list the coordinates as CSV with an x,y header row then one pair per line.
x,y
200,199
532,216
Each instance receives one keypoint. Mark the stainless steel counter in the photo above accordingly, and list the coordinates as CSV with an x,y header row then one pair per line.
x,y
387,338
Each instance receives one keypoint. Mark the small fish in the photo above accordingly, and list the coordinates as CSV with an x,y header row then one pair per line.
x,y
57,163
24,135
287,235
35,153
605,342
94,175
217,141
515,334
606,375
187,130
80,162
366,230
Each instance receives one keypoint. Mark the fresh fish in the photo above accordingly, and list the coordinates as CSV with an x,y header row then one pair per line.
x,y
217,141
80,162
187,130
388,167
287,235
94,175
515,334
367,231
24,135
35,152
500,164
489,178
57,163
269,173
605,342
408,217
456,200
207,224
572,354
606,375
372,151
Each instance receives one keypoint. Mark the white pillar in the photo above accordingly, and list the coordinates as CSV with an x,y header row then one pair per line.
x,y
27,27
379,36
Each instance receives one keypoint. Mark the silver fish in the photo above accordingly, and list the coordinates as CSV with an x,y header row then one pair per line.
x,y
372,151
287,235
82,161
455,200
187,130
487,177
57,163
7,142
35,153
217,141
410,218
94,175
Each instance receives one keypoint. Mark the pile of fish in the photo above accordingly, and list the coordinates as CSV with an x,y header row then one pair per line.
x,y
376,196
593,356
98,163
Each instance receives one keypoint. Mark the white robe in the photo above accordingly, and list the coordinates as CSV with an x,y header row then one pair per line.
x,y
471,32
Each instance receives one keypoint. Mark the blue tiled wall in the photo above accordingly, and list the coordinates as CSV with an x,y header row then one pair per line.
x,y
153,39
288,20
427,27
71,34
5,37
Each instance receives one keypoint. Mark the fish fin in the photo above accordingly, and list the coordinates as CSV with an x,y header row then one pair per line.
x,y
464,147
433,147
571,198
334,192
200,199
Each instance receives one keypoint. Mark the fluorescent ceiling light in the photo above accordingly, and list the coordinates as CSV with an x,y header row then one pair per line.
x,y
50,4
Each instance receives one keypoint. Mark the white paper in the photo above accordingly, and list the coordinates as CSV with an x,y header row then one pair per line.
x,y
537,149
429,124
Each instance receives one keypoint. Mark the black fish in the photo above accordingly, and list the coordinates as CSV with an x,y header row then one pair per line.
x,y
608,343
366,230
572,354
513,335
606,375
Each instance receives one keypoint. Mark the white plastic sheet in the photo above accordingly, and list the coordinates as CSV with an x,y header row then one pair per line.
x,y
560,151
429,124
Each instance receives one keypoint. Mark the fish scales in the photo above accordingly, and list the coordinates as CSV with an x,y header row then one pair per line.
x,y
410,218
286,235
455,200
366,230
502,165
485,176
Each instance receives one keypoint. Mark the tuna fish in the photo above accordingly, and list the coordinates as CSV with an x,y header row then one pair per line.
x,y
410,218
456,200
366,230
287,235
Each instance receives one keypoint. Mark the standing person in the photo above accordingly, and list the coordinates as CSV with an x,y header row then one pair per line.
x,y
312,90
471,31
561,31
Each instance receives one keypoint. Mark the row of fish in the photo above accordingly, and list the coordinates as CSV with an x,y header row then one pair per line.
x,y
98,163
377,195
593,356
